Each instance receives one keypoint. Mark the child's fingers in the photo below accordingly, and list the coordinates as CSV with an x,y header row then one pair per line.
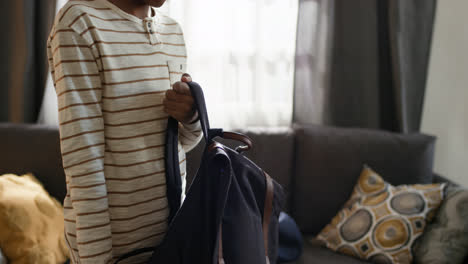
x,y
172,95
180,112
181,88
176,106
186,77
182,98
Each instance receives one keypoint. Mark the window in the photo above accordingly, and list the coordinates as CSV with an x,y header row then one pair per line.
x,y
242,54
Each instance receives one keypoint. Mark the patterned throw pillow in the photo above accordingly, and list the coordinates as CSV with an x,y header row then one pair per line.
x,y
380,222
445,240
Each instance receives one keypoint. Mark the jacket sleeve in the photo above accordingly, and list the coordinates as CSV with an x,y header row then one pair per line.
x,y
77,83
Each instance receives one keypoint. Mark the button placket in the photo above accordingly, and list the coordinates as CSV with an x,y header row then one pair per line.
x,y
148,24
150,28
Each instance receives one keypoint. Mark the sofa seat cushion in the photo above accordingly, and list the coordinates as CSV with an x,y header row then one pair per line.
x,y
315,254
329,161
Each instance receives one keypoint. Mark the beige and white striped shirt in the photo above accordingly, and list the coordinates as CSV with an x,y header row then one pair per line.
x,y
110,71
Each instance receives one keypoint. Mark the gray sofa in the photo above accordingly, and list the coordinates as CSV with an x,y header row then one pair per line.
x,y
318,167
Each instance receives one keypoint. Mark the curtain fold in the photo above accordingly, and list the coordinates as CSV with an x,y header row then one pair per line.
x,y
312,61
377,68
4,66
48,114
411,29
24,51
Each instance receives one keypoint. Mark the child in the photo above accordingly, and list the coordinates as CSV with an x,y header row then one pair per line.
x,y
113,63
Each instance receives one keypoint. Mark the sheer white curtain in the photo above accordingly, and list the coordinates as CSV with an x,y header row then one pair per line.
x,y
49,109
242,53
313,61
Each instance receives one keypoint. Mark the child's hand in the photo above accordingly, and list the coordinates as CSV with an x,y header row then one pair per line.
x,y
179,102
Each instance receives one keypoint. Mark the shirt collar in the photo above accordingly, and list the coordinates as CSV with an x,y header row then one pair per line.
x,y
131,17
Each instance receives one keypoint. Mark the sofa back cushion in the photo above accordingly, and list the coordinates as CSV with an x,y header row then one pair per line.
x,y
329,161
33,148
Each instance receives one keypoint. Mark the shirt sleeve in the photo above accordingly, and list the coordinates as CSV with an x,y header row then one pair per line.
x,y
77,83
190,135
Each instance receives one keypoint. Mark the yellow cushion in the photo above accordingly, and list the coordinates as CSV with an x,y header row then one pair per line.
x,y
31,222
380,222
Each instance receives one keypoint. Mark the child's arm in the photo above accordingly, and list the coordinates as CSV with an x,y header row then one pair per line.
x,y
179,104
81,125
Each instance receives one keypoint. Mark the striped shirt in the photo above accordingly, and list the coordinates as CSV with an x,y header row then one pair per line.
x,y
111,70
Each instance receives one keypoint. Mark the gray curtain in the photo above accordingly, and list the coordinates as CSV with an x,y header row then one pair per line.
x,y
24,59
376,59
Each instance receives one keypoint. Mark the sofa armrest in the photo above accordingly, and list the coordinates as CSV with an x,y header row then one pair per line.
x,y
441,179
33,148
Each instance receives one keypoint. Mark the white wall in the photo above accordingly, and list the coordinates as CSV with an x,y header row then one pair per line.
x,y
445,110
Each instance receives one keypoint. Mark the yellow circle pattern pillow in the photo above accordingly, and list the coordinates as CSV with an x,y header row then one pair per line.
x,y
380,222
31,222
